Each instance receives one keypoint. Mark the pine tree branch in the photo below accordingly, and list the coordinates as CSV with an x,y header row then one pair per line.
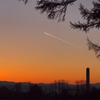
x,y
25,1
54,8
92,18
94,47
85,26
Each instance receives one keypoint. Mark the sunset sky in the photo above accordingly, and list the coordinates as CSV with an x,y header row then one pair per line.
x,y
29,55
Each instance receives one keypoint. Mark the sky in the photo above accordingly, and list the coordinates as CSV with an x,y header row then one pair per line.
x,y
29,55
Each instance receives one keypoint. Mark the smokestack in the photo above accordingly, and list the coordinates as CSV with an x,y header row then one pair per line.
x,y
87,79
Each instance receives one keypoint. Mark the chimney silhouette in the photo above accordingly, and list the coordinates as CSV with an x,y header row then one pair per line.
x,y
87,79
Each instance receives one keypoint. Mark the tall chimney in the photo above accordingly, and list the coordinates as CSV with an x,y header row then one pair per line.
x,y
87,79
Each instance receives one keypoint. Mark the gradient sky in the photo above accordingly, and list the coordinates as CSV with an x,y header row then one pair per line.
x,y
27,54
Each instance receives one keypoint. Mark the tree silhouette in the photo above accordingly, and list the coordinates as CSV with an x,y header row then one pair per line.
x,y
53,8
92,18
56,9
25,1
35,91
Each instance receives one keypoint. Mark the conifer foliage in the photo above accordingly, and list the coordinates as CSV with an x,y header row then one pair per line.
x,y
92,20
92,17
54,8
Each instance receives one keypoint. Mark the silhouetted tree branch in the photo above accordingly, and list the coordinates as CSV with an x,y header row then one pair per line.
x,y
94,47
25,1
54,8
92,18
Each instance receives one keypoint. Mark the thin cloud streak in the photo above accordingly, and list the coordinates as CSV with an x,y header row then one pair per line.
x,y
62,40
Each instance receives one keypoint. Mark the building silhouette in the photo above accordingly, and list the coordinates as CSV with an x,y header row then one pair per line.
x,y
87,82
87,78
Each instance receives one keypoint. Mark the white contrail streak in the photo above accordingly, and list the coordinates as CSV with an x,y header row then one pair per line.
x,y
62,40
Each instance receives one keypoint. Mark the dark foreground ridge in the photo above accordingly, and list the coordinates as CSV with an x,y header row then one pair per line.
x,y
55,91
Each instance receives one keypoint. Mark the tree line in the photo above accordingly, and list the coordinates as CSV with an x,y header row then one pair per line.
x,y
57,91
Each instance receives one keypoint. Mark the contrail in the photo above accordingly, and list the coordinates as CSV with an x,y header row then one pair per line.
x,y
62,40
